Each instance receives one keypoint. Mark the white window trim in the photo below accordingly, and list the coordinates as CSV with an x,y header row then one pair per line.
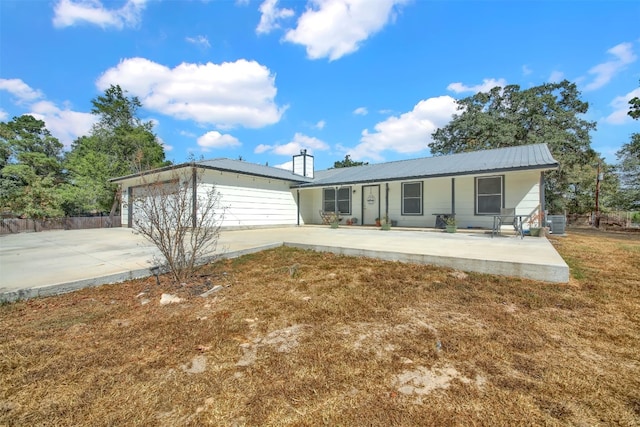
x,y
338,200
477,194
421,197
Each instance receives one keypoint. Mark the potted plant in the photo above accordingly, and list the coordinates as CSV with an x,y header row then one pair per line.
x,y
535,224
335,220
377,222
386,223
451,226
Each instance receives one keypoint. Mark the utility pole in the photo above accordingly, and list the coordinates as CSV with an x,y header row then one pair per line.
x,y
598,178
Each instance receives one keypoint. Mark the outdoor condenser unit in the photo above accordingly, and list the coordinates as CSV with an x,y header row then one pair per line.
x,y
558,223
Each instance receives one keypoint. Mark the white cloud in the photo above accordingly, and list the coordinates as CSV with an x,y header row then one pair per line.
x,y
604,72
556,77
485,86
71,12
271,15
320,125
293,147
334,28
526,70
226,95
214,139
22,91
199,41
3,115
64,124
361,111
408,133
165,146
620,106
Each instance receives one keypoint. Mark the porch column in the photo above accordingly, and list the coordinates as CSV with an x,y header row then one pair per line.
x,y
453,197
386,202
129,207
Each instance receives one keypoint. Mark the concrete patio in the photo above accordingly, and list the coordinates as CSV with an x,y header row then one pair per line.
x,y
49,263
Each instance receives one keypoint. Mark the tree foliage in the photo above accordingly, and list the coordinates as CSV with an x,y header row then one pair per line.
x,y
634,108
504,117
347,163
31,169
119,144
629,164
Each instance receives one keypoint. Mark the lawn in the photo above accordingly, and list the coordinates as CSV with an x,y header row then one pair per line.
x,y
303,338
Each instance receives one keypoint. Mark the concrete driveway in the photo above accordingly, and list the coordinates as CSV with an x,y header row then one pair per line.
x,y
52,262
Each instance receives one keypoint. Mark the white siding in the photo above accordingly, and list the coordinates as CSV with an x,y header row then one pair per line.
x,y
245,201
522,191
254,201
248,201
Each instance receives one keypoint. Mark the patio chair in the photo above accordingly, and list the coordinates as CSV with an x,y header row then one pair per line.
x,y
329,217
507,217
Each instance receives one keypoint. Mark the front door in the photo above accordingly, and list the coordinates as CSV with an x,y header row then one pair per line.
x,y
370,204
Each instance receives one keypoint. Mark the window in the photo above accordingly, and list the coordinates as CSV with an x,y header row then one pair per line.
x,y
344,200
489,195
412,198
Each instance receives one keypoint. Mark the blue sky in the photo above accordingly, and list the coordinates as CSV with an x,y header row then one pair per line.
x,y
264,79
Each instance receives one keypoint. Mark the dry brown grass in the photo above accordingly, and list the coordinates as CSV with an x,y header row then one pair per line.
x,y
304,338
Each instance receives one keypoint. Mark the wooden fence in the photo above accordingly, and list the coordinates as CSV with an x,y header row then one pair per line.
x,y
18,225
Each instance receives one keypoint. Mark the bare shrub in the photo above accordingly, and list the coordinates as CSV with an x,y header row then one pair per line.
x,y
181,216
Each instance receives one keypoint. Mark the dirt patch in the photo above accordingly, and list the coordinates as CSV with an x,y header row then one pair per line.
x,y
282,340
422,381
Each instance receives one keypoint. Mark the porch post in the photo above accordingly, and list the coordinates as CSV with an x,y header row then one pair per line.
x,y
453,197
129,206
543,206
386,202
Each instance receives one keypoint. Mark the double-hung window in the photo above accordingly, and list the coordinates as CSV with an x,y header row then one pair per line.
x,y
412,198
343,199
489,195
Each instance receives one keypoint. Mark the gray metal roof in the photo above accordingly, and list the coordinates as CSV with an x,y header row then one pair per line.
x,y
234,166
252,169
536,156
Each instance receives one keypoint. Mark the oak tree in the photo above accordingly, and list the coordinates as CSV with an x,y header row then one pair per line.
x,y
551,113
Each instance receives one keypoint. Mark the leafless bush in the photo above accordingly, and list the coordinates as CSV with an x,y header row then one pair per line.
x,y
181,217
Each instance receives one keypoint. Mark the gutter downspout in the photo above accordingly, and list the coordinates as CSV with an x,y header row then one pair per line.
x,y
298,194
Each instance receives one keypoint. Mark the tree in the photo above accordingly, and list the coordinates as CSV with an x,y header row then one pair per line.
x,y
119,144
629,164
164,213
31,169
347,163
629,173
505,117
634,108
